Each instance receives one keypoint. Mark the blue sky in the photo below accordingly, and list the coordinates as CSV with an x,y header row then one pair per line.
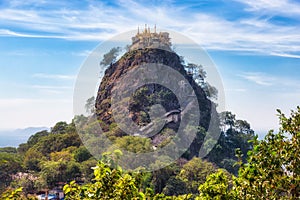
x,y
255,45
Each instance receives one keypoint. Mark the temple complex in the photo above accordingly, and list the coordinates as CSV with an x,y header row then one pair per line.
x,y
148,39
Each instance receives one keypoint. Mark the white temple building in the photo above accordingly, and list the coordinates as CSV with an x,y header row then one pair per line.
x,y
148,39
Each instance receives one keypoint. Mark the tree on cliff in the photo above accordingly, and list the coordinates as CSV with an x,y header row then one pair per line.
x,y
110,57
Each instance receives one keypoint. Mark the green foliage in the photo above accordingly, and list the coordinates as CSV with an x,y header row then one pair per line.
x,y
82,154
147,96
61,168
114,132
12,194
90,105
22,148
8,150
227,119
161,176
199,75
80,121
61,156
36,137
27,182
194,173
49,157
111,56
9,164
216,187
32,159
57,142
59,128
16,194
72,171
134,144
143,181
210,91
86,169
235,134
272,171
165,197
110,182
175,186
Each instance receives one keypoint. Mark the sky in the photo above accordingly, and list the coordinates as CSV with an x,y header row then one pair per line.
x,y
255,45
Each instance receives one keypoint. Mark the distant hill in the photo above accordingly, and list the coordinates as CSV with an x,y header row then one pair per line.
x,y
12,138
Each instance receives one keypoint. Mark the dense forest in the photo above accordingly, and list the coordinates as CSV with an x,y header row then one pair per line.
x,y
267,169
238,166
51,159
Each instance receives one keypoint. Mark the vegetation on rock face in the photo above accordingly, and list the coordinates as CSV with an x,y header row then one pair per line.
x,y
50,159
150,94
271,171
239,166
235,134
110,57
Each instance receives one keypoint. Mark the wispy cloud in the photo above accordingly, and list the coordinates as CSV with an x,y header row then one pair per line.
x,y
99,21
52,89
263,79
258,78
12,102
84,53
283,7
235,90
54,76
6,32
285,55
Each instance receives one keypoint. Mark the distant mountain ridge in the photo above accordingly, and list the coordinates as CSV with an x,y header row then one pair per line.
x,y
12,138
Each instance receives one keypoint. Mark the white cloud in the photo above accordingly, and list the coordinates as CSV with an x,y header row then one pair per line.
x,y
54,76
4,103
84,53
285,55
100,22
258,78
49,89
283,84
282,7
6,32
235,90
